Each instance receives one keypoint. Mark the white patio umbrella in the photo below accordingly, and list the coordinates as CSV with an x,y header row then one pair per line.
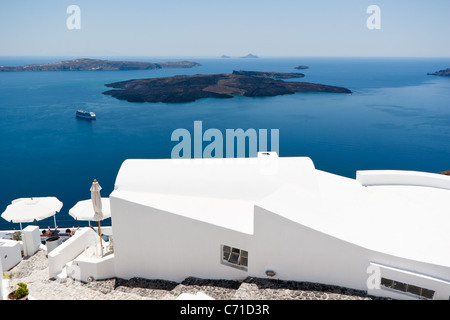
x,y
84,210
31,209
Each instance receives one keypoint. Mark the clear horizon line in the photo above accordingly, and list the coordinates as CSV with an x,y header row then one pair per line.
x,y
213,56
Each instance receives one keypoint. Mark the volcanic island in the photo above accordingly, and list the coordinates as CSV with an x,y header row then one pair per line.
x,y
189,88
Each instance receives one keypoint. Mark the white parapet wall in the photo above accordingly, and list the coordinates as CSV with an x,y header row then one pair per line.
x,y
31,240
88,269
398,177
70,249
10,253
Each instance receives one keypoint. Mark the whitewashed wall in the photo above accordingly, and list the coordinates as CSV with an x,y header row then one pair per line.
x,y
70,249
298,253
83,268
156,245
31,240
10,253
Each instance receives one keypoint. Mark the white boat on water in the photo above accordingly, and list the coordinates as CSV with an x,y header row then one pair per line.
x,y
85,115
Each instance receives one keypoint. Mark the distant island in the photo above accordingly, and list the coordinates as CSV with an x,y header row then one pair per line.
x,y
270,75
86,64
445,73
447,173
250,56
188,88
225,56
301,67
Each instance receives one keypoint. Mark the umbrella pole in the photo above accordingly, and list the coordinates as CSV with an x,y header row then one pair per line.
x,y
21,232
100,233
54,219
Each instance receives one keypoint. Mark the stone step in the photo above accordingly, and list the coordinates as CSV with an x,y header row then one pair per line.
x,y
247,291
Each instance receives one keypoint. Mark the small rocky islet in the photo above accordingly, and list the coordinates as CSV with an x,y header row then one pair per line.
x,y
444,73
250,56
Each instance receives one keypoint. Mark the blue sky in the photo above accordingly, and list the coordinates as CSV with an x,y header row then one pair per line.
x,y
409,28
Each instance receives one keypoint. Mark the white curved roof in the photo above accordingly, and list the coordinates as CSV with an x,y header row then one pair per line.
x,y
248,179
412,222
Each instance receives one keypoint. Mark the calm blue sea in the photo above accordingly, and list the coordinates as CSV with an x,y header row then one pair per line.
x,y
397,118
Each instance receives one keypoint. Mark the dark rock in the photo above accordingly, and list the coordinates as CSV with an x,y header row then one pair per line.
x,y
230,284
145,284
270,75
301,67
445,73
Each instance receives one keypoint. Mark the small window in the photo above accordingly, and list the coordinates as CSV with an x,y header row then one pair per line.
x,y
400,286
414,290
226,252
235,257
426,293
408,288
387,282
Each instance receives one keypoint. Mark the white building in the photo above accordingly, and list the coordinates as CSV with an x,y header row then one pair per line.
x,y
386,232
